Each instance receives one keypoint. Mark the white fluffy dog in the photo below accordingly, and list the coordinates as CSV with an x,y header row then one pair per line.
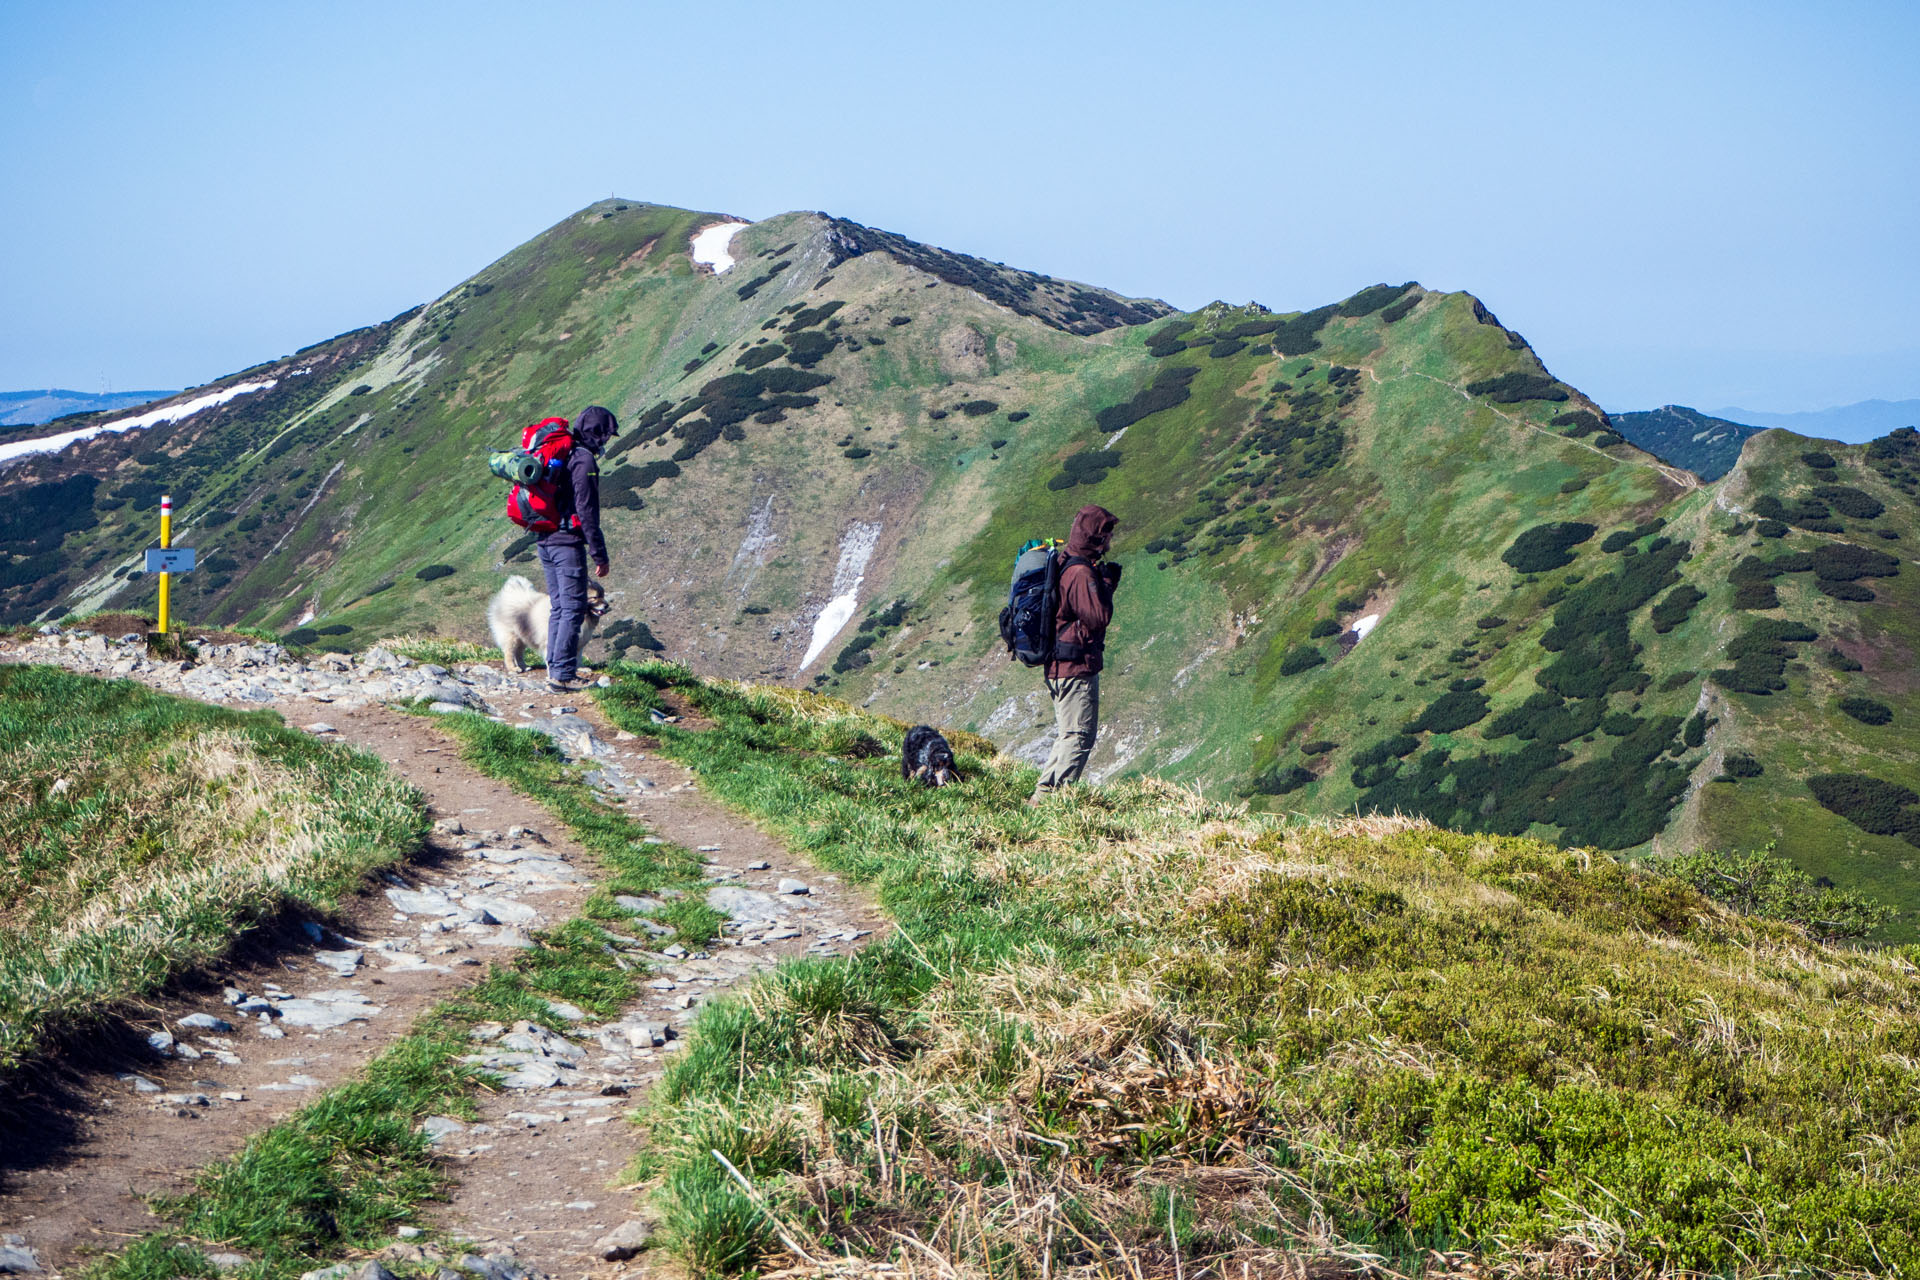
x,y
518,619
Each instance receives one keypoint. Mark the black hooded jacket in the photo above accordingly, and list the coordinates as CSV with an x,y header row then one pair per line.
x,y
580,485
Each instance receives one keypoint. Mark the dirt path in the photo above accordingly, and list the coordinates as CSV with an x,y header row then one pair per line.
x,y
294,1013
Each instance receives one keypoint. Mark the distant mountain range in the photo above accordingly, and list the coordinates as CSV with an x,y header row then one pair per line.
x,y
31,408
1704,445
1853,423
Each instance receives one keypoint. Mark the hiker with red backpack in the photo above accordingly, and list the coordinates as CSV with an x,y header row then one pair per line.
x,y
1058,608
556,497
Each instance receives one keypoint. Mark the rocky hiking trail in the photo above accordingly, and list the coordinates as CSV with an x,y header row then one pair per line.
x,y
301,1006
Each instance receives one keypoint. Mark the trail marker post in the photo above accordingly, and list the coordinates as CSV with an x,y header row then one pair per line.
x,y
168,560
166,541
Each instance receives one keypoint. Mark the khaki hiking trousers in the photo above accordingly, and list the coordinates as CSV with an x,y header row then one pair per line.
x,y
1076,721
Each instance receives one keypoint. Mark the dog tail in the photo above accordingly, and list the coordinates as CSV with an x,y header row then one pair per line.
x,y
517,588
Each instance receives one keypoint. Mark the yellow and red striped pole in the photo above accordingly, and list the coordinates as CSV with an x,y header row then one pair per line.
x,y
166,540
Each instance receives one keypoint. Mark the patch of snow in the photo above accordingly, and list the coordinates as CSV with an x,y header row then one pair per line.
x,y
1185,673
1361,626
710,244
1014,710
755,547
304,619
1114,439
856,549
153,417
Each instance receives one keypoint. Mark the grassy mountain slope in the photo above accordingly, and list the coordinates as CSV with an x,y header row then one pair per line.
x,y
1133,1032
1704,445
1567,640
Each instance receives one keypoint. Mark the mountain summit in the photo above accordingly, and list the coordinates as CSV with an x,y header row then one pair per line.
x,y
1377,556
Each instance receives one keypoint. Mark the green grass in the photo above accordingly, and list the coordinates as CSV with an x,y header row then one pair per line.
x,y
339,1175
1373,1038
139,833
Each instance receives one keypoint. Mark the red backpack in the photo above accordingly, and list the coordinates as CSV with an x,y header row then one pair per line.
x,y
536,468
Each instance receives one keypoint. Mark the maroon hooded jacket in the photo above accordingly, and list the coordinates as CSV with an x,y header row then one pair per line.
x,y
1086,601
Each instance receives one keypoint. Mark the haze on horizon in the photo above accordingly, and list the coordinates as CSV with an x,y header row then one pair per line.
x,y
1710,206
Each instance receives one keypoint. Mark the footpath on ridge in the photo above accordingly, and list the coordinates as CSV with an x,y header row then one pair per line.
x,y
234,1049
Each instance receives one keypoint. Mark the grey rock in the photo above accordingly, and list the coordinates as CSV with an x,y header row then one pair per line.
x,y
533,1075
743,904
342,963
638,905
141,1084
440,1128
338,1271
227,1261
321,1014
624,1241
205,1022
18,1259
503,910
443,708
428,902
162,1043
318,726
789,885
451,826
445,691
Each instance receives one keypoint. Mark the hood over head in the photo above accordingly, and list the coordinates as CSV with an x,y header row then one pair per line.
x,y
1092,532
595,427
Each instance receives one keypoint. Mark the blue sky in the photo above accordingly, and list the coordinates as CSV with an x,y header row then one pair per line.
x,y
1709,204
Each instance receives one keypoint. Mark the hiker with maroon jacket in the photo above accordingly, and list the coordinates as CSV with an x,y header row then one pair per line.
x,y
1080,637
564,552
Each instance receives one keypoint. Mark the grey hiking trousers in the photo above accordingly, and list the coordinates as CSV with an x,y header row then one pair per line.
x,y
1076,721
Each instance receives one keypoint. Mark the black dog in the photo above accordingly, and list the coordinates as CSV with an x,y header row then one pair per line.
x,y
925,756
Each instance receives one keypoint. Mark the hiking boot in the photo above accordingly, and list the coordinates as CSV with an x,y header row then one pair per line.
x,y
1037,799
567,686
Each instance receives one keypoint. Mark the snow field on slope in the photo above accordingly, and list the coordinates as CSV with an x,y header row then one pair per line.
x,y
710,244
856,548
153,417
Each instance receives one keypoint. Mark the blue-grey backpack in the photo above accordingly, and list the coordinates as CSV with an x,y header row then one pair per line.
x,y
1033,601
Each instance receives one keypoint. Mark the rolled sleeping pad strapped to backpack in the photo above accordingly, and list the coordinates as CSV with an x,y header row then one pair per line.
x,y
516,466
1033,600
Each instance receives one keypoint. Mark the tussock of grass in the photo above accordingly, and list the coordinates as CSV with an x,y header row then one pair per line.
x,y
447,653
139,832
1132,1032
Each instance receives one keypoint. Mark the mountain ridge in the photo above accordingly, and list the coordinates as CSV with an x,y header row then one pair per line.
x,y
1377,555
1705,445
